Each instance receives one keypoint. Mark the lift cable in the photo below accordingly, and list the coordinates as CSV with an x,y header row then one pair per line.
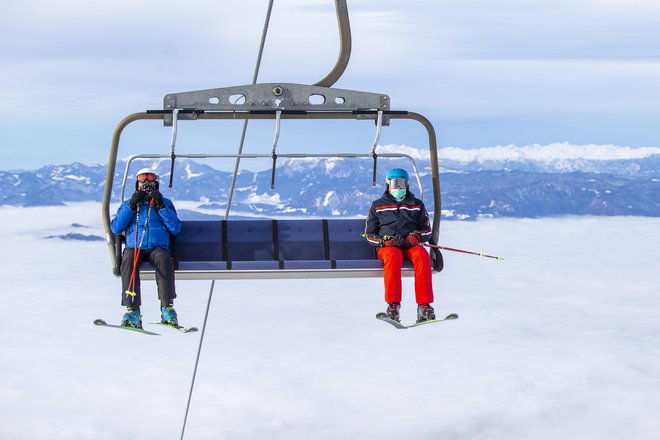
x,y
231,192
245,124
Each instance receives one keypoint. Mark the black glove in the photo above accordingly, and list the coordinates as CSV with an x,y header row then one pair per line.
x,y
412,239
157,198
138,197
394,241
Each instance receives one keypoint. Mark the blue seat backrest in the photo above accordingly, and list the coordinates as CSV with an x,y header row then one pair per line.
x,y
300,239
250,240
346,242
199,241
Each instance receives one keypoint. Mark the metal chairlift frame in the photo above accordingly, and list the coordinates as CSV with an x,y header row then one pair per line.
x,y
275,101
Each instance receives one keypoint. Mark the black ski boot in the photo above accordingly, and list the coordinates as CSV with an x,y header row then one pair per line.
x,y
393,311
425,313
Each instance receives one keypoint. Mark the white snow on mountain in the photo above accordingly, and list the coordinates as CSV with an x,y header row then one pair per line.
x,y
555,152
562,151
558,340
415,153
189,172
267,199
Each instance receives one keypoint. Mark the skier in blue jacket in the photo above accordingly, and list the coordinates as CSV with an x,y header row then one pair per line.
x,y
148,220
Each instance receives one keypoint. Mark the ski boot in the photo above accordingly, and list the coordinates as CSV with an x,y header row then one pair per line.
x,y
425,313
393,311
168,316
132,318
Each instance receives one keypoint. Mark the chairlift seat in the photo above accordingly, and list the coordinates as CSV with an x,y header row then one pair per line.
x,y
269,249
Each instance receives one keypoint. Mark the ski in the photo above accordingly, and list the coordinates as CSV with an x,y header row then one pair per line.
x,y
383,317
102,323
176,327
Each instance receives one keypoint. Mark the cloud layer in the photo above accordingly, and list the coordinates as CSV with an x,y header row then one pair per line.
x,y
556,341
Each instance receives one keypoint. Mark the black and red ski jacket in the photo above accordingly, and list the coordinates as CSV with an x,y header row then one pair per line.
x,y
387,216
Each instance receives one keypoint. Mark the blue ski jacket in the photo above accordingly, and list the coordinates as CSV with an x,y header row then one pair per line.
x,y
162,223
387,216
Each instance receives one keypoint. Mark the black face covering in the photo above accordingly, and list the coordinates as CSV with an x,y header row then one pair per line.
x,y
148,187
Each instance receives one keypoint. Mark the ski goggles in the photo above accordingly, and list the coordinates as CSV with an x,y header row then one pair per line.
x,y
398,183
150,177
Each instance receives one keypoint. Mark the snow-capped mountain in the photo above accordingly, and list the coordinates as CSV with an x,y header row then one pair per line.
x,y
557,158
553,158
532,181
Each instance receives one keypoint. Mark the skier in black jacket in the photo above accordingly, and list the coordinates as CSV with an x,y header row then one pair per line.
x,y
397,224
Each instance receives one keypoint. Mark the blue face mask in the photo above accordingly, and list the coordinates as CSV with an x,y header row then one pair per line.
x,y
398,193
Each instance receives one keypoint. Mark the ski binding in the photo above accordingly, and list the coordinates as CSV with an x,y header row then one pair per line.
x,y
383,317
176,327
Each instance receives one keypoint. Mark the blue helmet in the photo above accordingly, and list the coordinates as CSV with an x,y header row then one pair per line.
x,y
397,173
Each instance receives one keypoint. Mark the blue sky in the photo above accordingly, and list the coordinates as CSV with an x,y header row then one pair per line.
x,y
485,73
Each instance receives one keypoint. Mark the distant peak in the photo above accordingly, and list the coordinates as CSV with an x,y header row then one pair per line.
x,y
547,153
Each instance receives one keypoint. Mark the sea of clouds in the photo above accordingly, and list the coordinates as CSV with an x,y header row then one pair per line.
x,y
558,340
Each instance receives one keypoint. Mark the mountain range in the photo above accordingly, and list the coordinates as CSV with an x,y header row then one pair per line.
x,y
533,181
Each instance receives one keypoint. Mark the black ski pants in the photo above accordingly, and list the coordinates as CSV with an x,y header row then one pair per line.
x,y
160,259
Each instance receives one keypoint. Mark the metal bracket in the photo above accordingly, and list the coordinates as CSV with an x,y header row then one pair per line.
x,y
273,97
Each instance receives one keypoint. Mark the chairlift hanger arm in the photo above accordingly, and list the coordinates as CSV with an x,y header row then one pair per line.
x,y
345,45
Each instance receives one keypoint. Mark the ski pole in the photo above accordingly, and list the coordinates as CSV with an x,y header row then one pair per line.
x,y
480,254
136,253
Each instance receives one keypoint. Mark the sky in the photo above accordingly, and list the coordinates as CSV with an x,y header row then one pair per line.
x,y
558,340
485,73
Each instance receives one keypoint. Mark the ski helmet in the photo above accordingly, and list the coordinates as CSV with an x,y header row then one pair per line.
x,y
397,173
150,174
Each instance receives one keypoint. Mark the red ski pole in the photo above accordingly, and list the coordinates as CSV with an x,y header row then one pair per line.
x,y
480,254
136,253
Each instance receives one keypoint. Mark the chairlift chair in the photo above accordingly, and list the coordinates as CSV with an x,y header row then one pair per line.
x,y
229,249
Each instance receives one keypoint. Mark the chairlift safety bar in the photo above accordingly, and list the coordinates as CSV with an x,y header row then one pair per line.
x,y
134,157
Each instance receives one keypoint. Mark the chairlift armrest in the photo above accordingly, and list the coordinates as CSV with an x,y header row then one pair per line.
x,y
119,239
437,262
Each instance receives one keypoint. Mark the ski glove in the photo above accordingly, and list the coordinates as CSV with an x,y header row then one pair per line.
x,y
157,197
394,241
412,239
138,197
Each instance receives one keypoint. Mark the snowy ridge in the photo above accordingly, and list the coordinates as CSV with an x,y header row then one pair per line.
x,y
555,158
560,157
531,181
555,152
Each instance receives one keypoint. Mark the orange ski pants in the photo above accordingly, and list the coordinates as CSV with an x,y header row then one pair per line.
x,y
393,260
